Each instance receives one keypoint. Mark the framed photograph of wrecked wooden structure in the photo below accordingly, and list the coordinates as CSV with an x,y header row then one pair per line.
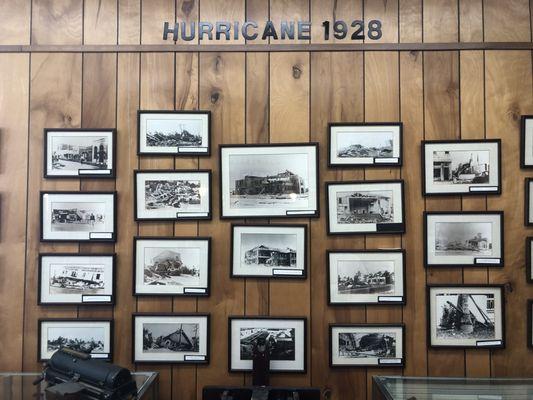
x,y
466,167
80,153
365,345
284,337
530,323
269,251
528,202
365,144
526,141
72,278
170,338
462,238
269,180
467,316
93,336
529,255
161,195
363,207
171,266
174,133
366,277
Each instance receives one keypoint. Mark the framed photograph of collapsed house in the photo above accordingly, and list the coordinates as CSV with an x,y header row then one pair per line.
x,y
174,133
171,266
80,153
365,144
72,278
462,238
366,277
86,335
269,180
365,345
468,316
526,141
284,338
528,203
466,167
78,216
363,207
170,338
269,251
172,195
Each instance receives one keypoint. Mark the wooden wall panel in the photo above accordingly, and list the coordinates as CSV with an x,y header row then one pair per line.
x,y
100,21
57,22
18,13
507,23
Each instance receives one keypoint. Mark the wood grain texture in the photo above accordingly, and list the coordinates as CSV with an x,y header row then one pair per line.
x,y
100,21
510,22
57,22
18,13
331,10
129,22
471,20
440,20
410,23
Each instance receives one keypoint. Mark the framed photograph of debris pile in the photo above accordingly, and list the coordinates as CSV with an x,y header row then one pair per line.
x,y
172,195
366,144
466,167
170,338
366,345
468,316
526,141
171,266
269,180
174,133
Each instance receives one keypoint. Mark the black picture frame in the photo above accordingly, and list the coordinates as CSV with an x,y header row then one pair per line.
x,y
252,317
501,288
205,361
399,163
499,264
207,239
387,228
530,323
306,249
476,192
527,199
111,175
529,254
113,234
312,213
348,325
111,302
109,321
207,217
178,153
403,301
523,119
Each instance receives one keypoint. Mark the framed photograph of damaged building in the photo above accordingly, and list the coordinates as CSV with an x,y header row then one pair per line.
x,y
362,207
69,278
468,316
365,345
366,277
80,153
466,167
458,239
526,141
270,180
172,195
170,338
530,323
171,266
269,251
529,259
365,144
284,337
174,133
528,203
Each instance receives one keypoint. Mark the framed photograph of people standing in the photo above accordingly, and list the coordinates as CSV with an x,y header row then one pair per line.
x,y
466,167
269,180
365,144
462,238
526,141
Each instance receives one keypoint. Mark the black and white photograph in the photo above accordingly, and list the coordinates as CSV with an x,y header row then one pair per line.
x,y
529,259
175,133
466,167
76,279
528,202
78,216
91,336
171,266
272,251
82,153
365,144
170,338
361,207
366,276
526,141
172,195
466,316
529,312
463,238
285,340
259,181
363,345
